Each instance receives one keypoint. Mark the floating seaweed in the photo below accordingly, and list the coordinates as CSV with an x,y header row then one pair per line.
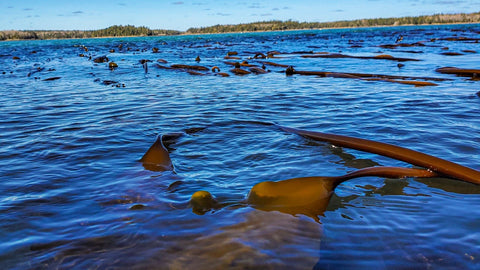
x,y
403,45
311,195
412,80
101,59
462,72
257,70
274,64
112,65
179,66
52,79
239,71
451,53
379,57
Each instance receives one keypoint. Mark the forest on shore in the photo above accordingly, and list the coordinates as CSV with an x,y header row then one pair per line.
x,y
112,31
294,25
275,25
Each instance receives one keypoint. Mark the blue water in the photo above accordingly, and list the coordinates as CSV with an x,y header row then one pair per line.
x,y
73,194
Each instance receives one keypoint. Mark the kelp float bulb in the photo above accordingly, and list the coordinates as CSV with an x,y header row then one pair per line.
x,y
202,201
112,65
289,71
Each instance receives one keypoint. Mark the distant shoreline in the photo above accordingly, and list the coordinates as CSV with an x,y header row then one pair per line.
x,y
317,29
120,31
239,32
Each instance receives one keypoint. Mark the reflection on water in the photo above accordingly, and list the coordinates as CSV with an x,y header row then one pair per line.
x,y
75,195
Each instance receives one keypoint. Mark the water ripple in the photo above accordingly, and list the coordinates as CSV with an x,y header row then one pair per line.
x,y
74,194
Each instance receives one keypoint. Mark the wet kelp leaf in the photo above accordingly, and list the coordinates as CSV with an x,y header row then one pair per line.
x,y
310,196
438,165
462,72
377,57
52,79
157,157
411,80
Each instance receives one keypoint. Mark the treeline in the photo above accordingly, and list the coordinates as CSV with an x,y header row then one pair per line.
x,y
112,31
294,25
130,30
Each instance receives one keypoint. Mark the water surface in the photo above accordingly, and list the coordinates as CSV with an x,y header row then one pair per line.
x,y
75,196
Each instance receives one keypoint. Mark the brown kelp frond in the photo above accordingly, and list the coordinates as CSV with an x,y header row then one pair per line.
x,y
157,157
441,166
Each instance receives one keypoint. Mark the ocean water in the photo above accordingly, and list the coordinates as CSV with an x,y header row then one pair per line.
x,y
73,194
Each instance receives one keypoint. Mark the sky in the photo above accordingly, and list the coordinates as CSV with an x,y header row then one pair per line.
x,y
181,15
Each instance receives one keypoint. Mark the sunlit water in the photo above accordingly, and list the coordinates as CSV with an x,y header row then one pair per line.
x,y
73,194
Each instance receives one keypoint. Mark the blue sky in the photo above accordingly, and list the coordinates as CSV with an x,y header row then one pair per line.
x,y
180,15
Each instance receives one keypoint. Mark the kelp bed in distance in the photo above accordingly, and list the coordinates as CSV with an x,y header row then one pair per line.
x,y
263,62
